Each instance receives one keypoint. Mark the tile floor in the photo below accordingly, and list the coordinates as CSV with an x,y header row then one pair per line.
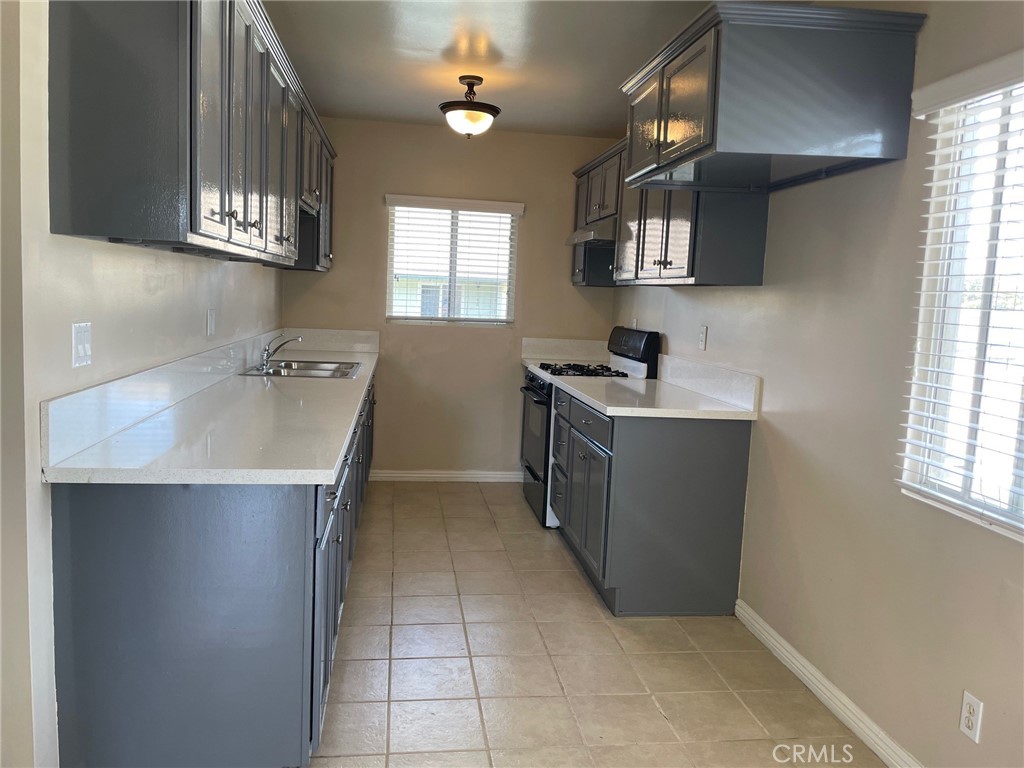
x,y
469,638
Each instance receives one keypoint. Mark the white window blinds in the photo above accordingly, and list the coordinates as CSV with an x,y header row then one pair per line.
x,y
964,446
451,260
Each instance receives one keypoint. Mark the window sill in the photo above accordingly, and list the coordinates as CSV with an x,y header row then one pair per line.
x,y
474,323
991,524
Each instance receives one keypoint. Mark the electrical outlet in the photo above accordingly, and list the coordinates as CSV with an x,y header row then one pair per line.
x,y
211,322
634,323
970,717
81,344
702,338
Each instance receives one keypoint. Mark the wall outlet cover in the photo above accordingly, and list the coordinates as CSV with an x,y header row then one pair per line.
x,y
702,338
211,322
81,344
970,717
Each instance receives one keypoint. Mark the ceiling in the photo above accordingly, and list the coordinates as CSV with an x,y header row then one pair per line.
x,y
552,66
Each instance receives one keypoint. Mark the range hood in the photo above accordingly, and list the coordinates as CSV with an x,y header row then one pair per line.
x,y
601,232
757,97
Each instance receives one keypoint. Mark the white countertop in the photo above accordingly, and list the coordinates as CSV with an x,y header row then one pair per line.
x,y
651,398
243,429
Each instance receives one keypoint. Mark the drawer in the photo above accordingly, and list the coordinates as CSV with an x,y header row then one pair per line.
x,y
591,423
559,492
562,401
560,442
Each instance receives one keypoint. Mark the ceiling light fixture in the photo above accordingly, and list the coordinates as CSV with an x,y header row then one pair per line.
x,y
469,117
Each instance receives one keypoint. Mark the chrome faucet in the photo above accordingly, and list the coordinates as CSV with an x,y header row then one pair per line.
x,y
268,353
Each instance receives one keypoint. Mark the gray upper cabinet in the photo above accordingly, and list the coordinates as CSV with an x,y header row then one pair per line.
x,y
602,190
582,200
642,127
203,156
628,240
652,247
277,99
761,96
687,100
680,213
210,105
310,165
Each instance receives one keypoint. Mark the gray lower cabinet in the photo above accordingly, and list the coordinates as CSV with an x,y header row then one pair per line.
x,y
195,625
179,128
653,508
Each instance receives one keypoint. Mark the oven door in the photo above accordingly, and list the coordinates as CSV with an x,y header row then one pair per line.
x,y
534,445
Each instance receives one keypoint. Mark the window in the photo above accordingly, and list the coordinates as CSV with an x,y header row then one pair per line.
x,y
964,446
451,260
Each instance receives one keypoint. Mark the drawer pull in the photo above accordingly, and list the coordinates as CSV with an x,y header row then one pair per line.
x,y
560,442
561,403
331,495
587,422
559,495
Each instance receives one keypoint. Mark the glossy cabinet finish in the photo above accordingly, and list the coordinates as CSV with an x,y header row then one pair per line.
x,y
201,158
687,100
560,441
642,127
598,185
652,249
603,190
311,177
210,129
630,234
655,515
755,97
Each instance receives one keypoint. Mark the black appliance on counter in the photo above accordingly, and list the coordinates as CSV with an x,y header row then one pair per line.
x,y
535,449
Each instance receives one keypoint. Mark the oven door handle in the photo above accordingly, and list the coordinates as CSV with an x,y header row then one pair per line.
x,y
529,392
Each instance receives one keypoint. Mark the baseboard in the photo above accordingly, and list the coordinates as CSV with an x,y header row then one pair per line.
x,y
852,716
441,476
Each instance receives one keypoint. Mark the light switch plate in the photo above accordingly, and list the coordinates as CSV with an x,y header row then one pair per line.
x,y
702,338
81,344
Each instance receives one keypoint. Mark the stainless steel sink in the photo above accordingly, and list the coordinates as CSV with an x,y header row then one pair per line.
x,y
311,369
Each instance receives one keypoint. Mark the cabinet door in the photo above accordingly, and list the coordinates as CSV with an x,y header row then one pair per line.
x,y
594,520
258,69
277,98
630,235
594,189
680,221
609,187
579,264
687,104
582,188
310,163
290,199
576,509
326,256
642,127
238,136
653,243
210,113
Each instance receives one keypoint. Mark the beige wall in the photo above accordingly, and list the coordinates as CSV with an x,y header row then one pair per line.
x,y
449,395
146,307
900,604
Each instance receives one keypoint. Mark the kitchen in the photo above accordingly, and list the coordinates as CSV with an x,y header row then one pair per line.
x,y
878,592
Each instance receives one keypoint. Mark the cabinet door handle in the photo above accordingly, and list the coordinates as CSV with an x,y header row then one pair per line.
x,y
255,224
649,144
233,215
360,459
587,422
577,271
286,239
331,495
666,262
317,191
561,403
582,456
347,506
337,539
560,442
559,495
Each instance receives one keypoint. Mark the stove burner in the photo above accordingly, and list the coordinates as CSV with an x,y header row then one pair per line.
x,y
580,369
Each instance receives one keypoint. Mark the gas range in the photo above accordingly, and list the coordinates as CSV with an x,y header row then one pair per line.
x,y
581,369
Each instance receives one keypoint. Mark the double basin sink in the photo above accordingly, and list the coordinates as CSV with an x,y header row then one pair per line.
x,y
309,369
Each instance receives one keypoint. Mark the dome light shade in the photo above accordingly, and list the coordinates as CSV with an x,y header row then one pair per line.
x,y
469,116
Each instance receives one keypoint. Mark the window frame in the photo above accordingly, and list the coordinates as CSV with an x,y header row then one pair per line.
x,y
923,437
449,292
